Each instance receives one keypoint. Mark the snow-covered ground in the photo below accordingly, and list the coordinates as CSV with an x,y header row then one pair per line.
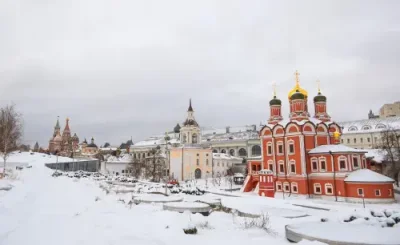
x,y
41,209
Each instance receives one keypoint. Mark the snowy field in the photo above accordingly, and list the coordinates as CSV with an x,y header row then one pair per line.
x,y
40,209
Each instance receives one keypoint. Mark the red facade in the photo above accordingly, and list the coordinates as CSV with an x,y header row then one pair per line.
x,y
299,155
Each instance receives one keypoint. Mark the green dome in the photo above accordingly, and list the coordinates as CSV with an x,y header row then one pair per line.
x,y
275,101
319,98
297,96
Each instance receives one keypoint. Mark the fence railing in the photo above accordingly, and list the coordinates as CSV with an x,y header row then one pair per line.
x,y
89,166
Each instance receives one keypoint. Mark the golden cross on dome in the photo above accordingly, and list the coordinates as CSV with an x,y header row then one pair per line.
x,y
319,86
274,87
297,78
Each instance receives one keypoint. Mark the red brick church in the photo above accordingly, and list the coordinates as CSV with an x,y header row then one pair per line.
x,y
305,158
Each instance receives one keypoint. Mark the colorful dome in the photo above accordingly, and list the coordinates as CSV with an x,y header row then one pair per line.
x,y
275,101
320,98
296,89
297,96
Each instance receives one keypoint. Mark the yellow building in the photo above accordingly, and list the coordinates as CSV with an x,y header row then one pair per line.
x,y
190,160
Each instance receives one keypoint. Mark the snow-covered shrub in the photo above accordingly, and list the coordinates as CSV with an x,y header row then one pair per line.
x,y
262,222
390,222
388,213
351,218
376,213
396,217
324,220
190,229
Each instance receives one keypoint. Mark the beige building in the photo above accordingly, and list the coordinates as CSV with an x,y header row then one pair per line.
x,y
366,134
390,110
190,160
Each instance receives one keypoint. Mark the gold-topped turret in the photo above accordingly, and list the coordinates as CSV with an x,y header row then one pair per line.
x,y
297,87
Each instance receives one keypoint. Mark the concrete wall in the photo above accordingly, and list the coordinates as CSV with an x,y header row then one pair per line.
x,y
90,166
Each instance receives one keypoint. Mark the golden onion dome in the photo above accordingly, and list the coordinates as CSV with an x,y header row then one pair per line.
x,y
297,87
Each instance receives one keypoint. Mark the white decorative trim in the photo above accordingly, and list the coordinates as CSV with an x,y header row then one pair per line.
x,y
314,160
327,186
341,157
290,142
315,188
302,156
320,159
277,146
294,184
272,149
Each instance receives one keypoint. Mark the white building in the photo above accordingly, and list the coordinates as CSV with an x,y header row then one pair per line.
x,y
116,165
243,142
223,162
365,134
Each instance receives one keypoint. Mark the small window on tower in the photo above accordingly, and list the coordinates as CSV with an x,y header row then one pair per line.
x,y
280,149
269,150
291,148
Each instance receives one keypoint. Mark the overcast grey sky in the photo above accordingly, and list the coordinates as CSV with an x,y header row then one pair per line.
x,y
122,68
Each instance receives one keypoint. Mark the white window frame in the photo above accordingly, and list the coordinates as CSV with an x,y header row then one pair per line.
x,y
358,192
283,164
294,184
269,144
380,193
314,159
315,188
358,159
284,187
292,162
279,186
279,143
346,165
327,186
270,162
290,142
322,159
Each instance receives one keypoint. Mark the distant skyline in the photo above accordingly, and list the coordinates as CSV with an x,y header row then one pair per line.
x,y
128,68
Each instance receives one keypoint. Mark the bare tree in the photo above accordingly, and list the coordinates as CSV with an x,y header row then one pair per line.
x,y
10,131
390,145
155,165
136,166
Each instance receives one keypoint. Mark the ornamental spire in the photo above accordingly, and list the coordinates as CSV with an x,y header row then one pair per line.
x,y
297,74
190,105
274,87
58,123
319,86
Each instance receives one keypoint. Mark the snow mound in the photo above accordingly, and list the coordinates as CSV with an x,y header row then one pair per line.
x,y
346,233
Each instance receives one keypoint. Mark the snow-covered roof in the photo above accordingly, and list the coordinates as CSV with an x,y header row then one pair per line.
x,y
223,156
246,135
335,149
370,125
121,158
377,155
154,142
236,129
366,175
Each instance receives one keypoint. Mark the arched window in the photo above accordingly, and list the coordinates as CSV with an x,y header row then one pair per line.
x,y
194,138
232,152
184,138
256,150
144,155
353,128
366,127
242,152
223,151
215,151
207,162
380,126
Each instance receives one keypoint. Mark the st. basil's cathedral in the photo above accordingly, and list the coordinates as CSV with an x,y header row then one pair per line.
x,y
63,144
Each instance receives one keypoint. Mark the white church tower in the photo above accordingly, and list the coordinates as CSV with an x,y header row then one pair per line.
x,y
190,130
